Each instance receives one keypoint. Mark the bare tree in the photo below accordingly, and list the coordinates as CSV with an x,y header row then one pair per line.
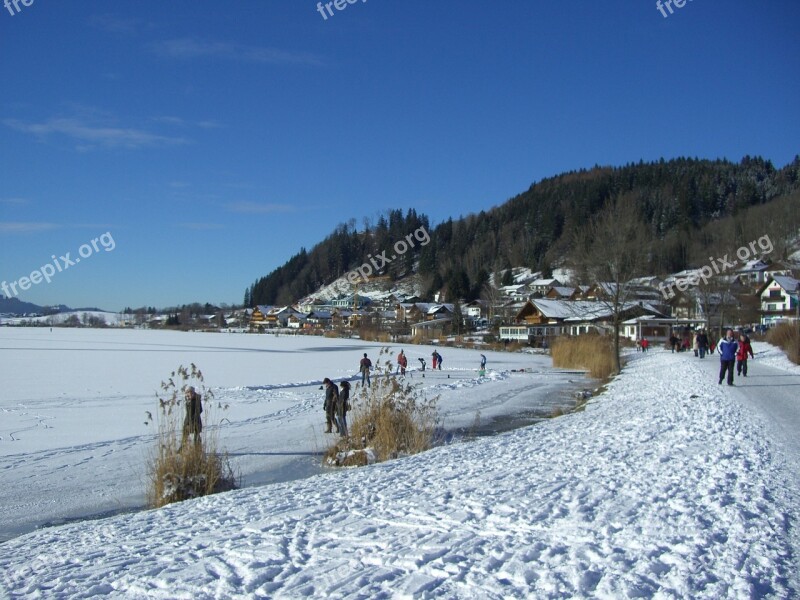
x,y
610,252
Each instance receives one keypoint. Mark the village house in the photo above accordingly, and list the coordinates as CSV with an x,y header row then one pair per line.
x,y
543,318
538,288
779,297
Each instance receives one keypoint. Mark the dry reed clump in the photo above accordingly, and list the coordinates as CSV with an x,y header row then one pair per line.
x,y
388,420
594,353
181,467
787,337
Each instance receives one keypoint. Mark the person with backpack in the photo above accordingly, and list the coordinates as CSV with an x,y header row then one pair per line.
x,y
364,367
727,349
329,406
741,356
342,407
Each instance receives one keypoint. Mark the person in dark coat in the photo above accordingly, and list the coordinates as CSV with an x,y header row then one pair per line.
x,y
192,422
702,343
727,349
331,398
364,366
422,364
342,406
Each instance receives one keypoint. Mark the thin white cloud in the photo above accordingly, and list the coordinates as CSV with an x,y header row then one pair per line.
x,y
253,208
92,135
202,226
188,48
114,24
23,227
169,120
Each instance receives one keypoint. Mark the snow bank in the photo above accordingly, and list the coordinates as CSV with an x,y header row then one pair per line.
x,y
663,487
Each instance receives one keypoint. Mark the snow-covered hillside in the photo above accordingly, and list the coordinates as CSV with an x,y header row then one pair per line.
x,y
667,486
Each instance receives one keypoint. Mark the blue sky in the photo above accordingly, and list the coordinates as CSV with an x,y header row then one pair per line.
x,y
213,140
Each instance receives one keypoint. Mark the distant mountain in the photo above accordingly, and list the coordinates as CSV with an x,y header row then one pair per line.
x,y
689,207
14,306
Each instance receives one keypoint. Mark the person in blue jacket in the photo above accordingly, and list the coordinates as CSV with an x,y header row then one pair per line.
x,y
727,349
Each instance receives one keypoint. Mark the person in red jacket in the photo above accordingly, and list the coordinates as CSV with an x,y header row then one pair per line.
x,y
741,356
645,344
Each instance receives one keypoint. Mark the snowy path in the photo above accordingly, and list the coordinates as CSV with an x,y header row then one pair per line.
x,y
667,486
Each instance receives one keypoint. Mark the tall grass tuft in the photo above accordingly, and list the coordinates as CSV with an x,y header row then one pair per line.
x,y
592,352
787,337
180,467
390,419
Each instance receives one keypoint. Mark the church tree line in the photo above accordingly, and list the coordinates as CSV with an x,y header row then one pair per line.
x,y
687,208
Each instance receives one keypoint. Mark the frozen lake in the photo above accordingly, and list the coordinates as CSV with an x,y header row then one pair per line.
x,y
73,439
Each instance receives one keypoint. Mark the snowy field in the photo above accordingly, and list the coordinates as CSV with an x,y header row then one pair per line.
x,y
666,486
72,410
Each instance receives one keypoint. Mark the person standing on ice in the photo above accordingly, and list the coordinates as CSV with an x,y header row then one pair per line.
x,y
342,406
329,406
192,422
364,367
434,357
727,349
422,364
402,363
741,356
483,362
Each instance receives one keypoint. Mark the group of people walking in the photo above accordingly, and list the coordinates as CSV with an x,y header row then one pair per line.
x,y
733,352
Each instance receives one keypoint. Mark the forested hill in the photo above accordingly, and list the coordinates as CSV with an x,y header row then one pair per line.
x,y
686,205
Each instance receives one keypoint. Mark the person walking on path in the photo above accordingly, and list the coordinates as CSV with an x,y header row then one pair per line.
x,y
727,349
329,406
365,366
342,407
645,344
741,356
192,422
702,343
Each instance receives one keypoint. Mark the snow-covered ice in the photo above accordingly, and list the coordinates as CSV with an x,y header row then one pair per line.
x,y
72,410
666,486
